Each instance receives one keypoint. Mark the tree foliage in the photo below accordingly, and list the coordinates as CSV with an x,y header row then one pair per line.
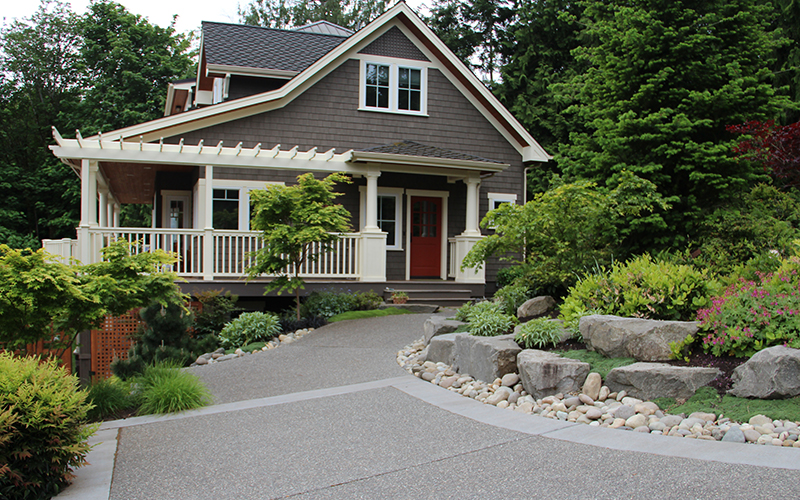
x,y
664,78
297,224
285,14
775,148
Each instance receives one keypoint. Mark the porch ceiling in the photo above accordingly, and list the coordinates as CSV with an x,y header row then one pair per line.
x,y
133,182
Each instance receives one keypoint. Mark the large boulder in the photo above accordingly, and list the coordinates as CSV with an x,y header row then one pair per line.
x,y
535,307
486,358
771,373
438,325
659,380
544,373
642,339
442,348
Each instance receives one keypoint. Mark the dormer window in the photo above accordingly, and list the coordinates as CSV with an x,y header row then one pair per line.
x,y
393,88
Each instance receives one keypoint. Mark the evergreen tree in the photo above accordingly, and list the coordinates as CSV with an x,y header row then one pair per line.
x,y
664,78
287,14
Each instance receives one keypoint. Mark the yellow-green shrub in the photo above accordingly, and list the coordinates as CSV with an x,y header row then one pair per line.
x,y
42,427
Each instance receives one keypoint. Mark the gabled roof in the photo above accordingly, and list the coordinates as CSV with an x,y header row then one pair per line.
x,y
325,27
265,48
412,148
399,15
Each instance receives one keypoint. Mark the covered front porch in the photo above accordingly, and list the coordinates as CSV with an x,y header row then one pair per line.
x,y
114,171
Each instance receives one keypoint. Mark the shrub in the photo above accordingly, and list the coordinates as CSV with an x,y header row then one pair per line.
x,y
108,396
465,312
217,311
753,315
510,297
509,275
641,288
539,333
164,388
328,303
248,328
290,323
491,323
42,431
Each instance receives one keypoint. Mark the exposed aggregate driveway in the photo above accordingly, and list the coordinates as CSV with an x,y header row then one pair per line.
x,y
332,415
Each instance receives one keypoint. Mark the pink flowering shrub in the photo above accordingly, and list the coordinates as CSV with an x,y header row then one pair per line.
x,y
753,315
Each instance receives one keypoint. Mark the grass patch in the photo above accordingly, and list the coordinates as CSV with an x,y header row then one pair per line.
x,y
372,313
597,361
166,389
247,348
108,396
462,328
707,399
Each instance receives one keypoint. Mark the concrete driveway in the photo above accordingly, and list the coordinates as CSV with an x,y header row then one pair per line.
x,y
333,416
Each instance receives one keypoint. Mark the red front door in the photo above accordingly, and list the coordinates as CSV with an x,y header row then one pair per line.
x,y
426,237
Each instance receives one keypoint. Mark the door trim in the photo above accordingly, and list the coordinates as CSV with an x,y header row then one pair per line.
x,y
430,194
186,196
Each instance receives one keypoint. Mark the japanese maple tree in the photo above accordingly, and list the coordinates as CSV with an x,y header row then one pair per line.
x,y
775,147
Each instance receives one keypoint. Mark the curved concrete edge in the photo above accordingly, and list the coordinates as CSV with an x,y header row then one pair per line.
x,y
731,453
93,481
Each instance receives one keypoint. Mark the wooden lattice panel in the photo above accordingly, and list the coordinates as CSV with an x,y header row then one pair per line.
x,y
40,349
113,341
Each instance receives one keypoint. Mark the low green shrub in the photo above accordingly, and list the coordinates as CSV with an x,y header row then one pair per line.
x,y
465,312
164,388
509,275
490,323
641,288
510,297
290,323
217,310
248,328
573,323
539,333
108,396
753,315
329,303
42,431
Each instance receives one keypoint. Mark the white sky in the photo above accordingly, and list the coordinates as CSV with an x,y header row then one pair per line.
x,y
160,12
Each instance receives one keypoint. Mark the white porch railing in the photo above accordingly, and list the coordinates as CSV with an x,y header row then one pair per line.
x,y
451,258
232,251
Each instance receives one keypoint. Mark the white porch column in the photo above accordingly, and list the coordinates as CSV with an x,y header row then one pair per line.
x,y
208,230
473,185
88,210
471,235
103,207
371,218
115,211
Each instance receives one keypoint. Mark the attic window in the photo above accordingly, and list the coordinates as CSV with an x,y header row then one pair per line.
x,y
393,88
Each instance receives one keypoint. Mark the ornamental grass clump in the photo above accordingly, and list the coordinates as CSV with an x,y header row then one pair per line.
x,y
539,333
753,315
42,427
490,323
164,388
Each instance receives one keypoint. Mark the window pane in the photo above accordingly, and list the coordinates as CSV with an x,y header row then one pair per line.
x,y
415,101
416,79
383,75
219,194
402,99
383,97
372,96
372,77
226,214
388,226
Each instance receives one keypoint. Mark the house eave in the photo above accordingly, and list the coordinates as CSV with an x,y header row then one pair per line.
x,y
425,161
224,69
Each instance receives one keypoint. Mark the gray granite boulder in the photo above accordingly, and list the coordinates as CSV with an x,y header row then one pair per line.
x,y
486,358
442,348
535,307
659,380
641,339
439,325
544,373
771,373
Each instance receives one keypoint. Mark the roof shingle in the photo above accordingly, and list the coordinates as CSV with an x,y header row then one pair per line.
x,y
411,148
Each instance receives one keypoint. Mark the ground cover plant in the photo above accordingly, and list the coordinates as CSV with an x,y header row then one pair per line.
x,y
539,333
108,398
707,399
597,361
375,313
163,388
328,303
42,427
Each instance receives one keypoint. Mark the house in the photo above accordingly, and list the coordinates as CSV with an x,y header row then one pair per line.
x,y
430,150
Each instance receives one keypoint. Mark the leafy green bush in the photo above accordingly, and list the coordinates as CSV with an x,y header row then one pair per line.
x,y
329,303
465,312
509,275
489,323
539,333
42,431
108,396
217,310
248,328
753,315
290,323
510,297
164,388
641,288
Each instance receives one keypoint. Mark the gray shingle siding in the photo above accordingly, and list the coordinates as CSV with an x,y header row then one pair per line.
x,y
394,43
327,116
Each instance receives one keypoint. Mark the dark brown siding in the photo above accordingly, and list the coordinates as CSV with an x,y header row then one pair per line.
x,y
327,116
394,43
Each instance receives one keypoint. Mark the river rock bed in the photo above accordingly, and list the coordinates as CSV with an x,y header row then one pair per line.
x,y
219,355
597,406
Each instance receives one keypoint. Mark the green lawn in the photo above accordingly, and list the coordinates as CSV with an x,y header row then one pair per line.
x,y
373,313
706,399
597,361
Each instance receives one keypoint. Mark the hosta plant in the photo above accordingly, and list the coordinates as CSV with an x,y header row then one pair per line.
x,y
249,328
491,323
539,333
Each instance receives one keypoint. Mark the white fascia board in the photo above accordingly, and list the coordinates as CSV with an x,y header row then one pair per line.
x,y
426,161
169,100
224,69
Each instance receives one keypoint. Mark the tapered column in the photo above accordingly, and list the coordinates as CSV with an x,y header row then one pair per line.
x,y
208,230
115,212
371,219
103,208
473,185
471,235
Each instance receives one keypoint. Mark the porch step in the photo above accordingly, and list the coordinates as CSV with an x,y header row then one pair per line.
x,y
446,295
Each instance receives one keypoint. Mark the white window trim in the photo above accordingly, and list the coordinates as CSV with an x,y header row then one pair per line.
x,y
244,188
444,195
502,198
397,193
186,196
394,65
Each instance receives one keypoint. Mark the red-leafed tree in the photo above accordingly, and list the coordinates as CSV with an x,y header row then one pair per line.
x,y
775,147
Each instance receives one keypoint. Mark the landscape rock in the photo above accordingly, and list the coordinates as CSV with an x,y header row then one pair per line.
x,y
438,325
485,358
659,380
442,348
509,380
592,385
536,307
771,373
642,339
544,373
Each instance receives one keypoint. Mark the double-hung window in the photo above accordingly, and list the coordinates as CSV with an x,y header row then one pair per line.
x,y
393,87
390,208
226,208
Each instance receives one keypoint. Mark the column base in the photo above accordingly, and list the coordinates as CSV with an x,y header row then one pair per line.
x,y
464,244
372,257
